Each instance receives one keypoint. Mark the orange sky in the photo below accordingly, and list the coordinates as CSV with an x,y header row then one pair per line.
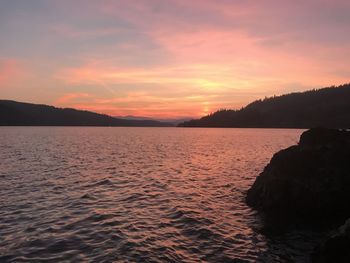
x,y
169,58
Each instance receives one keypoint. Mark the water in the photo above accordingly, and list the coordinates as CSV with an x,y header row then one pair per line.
x,y
138,195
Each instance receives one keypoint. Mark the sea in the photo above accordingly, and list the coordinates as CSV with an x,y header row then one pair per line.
x,y
118,194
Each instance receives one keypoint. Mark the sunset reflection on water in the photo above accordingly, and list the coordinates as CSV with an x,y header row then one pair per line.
x,y
138,194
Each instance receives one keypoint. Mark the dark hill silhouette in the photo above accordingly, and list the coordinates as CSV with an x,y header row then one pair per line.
x,y
327,107
14,113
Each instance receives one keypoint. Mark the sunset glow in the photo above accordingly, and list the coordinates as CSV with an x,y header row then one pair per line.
x,y
169,59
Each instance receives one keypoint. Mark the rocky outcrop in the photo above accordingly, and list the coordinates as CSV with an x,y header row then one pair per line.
x,y
334,249
311,179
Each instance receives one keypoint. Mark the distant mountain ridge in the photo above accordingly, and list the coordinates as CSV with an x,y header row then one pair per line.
x,y
326,107
174,121
13,113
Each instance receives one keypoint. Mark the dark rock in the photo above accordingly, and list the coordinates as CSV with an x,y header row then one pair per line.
x,y
308,180
319,137
334,249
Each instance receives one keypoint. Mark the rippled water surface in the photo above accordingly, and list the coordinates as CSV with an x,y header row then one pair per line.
x,y
136,194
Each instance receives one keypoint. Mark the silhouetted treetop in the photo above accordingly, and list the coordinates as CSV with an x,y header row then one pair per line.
x,y
327,107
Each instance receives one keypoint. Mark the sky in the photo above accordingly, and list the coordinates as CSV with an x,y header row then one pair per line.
x,y
169,58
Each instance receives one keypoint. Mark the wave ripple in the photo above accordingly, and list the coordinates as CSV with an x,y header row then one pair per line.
x,y
136,195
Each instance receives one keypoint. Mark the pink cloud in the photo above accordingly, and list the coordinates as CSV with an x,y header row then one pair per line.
x,y
10,71
137,103
70,98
